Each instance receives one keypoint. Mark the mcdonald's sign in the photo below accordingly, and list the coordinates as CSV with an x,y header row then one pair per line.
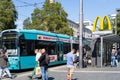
x,y
102,20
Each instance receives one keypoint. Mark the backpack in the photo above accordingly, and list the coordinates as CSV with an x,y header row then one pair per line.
x,y
47,59
76,58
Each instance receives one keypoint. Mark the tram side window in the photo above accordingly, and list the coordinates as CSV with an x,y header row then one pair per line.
x,y
49,46
26,47
23,48
30,47
51,50
66,48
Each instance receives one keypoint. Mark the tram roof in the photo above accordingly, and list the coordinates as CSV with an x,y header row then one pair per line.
x,y
40,32
113,38
45,32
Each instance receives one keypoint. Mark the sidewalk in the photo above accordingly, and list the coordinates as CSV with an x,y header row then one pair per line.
x,y
90,73
104,68
89,68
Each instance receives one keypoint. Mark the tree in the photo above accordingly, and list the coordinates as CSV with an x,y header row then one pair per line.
x,y
26,23
8,15
51,17
118,24
113,23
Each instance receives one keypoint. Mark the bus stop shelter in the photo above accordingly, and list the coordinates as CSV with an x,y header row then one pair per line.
x,y
111,38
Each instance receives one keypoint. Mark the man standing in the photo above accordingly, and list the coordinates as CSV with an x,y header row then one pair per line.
x,y
43,65
70,63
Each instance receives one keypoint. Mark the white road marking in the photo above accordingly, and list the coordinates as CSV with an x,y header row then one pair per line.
x,y
57,69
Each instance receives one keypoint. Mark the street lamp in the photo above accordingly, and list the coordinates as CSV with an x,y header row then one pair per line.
x,y
81,33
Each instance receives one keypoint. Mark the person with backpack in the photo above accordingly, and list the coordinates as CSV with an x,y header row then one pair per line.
x,y
43,63
4,64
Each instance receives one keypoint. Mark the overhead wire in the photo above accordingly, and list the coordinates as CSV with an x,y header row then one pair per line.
x,y
23,2
28,4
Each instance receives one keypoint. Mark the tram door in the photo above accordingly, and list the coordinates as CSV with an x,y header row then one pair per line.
x,y
60,51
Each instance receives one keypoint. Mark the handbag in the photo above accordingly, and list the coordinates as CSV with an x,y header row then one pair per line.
x,y
38,70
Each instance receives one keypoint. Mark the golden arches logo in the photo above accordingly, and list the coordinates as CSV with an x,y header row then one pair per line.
x,y
102,23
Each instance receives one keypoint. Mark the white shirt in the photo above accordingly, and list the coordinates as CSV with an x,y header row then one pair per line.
x,y
37,56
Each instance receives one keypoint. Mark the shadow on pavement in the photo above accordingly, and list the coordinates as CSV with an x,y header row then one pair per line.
x,y
39,78
51,78
75,79
6,76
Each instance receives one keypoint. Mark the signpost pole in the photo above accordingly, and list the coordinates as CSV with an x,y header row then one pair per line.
x,y
80,33
101,50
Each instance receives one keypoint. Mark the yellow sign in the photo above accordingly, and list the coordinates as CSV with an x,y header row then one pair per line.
x,y
102,23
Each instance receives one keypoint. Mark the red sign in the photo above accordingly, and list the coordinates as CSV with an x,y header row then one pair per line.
x,y
48,38
40,37
53,58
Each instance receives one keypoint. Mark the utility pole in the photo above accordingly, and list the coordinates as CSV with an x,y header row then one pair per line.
x,y
81,34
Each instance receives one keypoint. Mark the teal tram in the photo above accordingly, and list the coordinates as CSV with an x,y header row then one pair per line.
x,y
20,45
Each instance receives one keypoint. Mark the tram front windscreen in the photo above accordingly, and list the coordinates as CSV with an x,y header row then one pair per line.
x,y
9,42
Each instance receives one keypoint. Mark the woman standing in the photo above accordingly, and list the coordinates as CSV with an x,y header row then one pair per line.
x,y
38,54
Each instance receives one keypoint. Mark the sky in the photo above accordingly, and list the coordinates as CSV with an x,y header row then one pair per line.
x,y
91,8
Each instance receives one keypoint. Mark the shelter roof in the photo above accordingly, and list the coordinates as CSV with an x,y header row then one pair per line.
x,y
113,38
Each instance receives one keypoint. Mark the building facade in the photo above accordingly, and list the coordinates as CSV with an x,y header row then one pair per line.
x,y
74,26
87,33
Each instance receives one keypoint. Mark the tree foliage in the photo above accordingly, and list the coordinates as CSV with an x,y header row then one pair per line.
x,y
8,15
26,23
118,24
51,17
